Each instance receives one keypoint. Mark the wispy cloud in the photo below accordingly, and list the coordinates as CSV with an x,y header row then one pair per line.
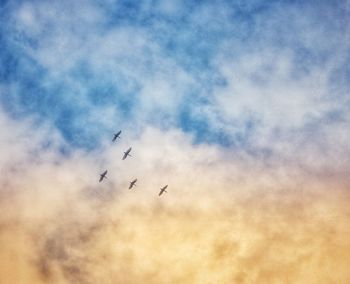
x,y
242,108
223,219
252,71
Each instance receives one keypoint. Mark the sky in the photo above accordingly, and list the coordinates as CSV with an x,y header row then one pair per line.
x,y
241,107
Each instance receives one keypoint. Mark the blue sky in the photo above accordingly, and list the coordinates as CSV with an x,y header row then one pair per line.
x,y
224,72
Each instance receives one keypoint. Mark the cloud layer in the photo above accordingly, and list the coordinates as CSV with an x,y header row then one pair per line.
x,y
256,70
242,107
224,219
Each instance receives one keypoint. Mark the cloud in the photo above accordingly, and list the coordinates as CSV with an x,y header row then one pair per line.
x,y
243,114
256,70
215,224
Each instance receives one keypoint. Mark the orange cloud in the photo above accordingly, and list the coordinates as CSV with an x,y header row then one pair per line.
x,y
225,219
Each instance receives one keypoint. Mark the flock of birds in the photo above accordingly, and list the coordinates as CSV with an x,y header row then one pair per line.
x,y
126,154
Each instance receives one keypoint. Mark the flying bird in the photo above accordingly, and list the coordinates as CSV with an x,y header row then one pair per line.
x,y
116,136
127,153
163,189
103,175
132,184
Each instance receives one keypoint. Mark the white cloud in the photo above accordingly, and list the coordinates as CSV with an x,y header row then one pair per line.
x,y
222,216
272,98
230,215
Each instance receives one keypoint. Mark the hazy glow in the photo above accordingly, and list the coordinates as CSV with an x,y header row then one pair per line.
x,y
220,222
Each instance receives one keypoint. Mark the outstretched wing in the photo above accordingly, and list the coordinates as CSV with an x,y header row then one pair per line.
x,y
127,153
162,190
132,184
103,175
116,135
